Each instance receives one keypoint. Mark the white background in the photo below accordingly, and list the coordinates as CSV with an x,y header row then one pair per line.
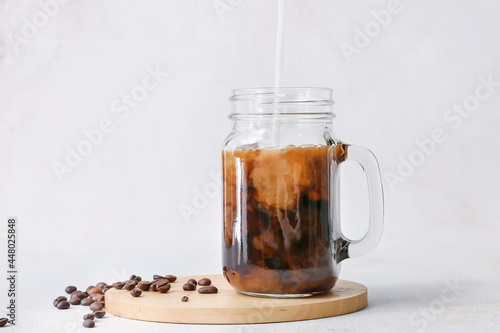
x,y
118,211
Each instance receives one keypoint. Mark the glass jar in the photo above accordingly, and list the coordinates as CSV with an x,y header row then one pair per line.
x,y
281,220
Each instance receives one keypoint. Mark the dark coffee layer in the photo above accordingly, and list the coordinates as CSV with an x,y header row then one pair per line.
x,y
277,219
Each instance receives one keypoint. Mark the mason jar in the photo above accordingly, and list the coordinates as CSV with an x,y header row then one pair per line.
x,y
282,235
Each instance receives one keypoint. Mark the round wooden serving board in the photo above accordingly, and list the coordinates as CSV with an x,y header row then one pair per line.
x,y
231,307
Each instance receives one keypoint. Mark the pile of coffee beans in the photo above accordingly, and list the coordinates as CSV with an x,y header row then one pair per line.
x,y
93,296
162,284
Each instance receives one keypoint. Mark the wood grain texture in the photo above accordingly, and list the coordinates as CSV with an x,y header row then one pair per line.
x,y
231,307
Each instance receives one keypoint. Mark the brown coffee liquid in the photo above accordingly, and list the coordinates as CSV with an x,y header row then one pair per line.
x,y
277,219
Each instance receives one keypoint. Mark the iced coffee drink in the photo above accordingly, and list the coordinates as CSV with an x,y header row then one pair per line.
x,y
277,219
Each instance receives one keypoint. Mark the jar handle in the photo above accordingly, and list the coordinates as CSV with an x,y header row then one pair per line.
x,y
368,162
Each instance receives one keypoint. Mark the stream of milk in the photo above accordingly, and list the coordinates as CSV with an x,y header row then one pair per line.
x,y
278,69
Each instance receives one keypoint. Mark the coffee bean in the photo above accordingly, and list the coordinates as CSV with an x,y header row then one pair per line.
x,y
118,285
80,294
144,285
74,301
63,305
158,277
94,290
3,321
88,288
101,285
136,292
189,286
97,297
135,278
205,282
100,314
97,306
184,299
163,286
171,278
106,288
87,301
59,299
193,281
70,289
130,286
208,290
88,323
90,316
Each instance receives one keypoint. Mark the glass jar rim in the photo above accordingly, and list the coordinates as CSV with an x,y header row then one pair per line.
x,y
282,101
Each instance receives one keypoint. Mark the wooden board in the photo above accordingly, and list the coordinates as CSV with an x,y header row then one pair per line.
x,y
231,307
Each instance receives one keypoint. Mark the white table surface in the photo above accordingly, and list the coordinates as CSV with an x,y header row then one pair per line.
x,y
451,286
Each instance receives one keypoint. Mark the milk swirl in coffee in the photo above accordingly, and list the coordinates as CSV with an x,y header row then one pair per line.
x,y
277,219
